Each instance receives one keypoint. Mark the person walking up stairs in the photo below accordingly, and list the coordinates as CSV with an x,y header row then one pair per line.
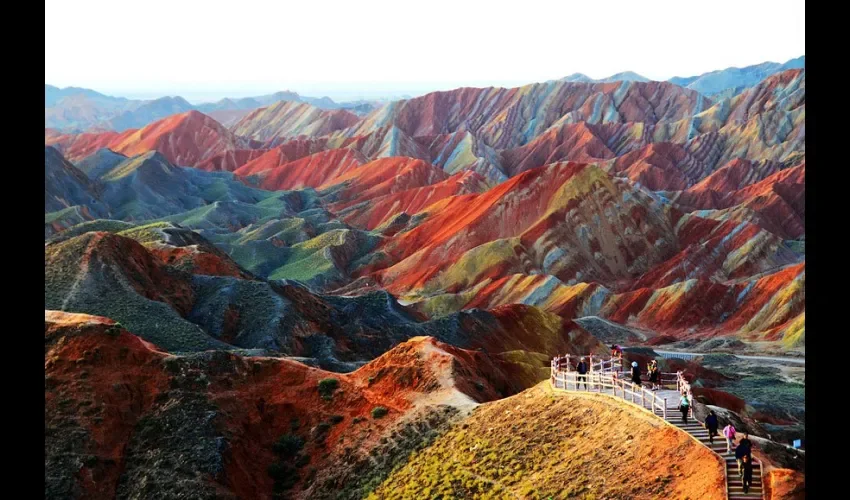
x,y
735,484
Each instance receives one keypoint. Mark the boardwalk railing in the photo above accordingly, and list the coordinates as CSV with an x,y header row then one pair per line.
x,y
609,365
594,363
610,383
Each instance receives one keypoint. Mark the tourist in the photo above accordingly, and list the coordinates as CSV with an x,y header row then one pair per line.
x,y
635,373
616,351
744,449
729,434
746,442
653,375
711,425
747,473
582,373
684,407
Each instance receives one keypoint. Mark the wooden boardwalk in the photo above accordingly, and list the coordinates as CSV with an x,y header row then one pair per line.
x,y
607,376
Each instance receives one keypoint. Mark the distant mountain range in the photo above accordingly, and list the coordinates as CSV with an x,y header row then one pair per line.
x,y
732,81
75,109
625,76
718,84
614,192
78,109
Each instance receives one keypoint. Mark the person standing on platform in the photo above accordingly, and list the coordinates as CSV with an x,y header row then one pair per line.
x,y
582,373
636,373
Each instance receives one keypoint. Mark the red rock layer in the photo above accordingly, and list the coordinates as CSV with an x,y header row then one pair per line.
x,y
699,308
533,206
778,199
287,152
228,161
373,212
382,177
185,139
662,166
579,142
124,379
75,147
311,171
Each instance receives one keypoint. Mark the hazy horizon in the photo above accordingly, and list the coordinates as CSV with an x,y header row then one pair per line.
x,y
378,48
339,92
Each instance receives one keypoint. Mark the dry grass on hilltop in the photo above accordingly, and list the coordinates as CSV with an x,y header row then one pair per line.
x,y
538,444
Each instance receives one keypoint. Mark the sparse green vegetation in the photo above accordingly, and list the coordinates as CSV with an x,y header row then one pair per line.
x,y
409,435
288,445
320,433
302,460
327,386
283,471
147,233
379,412
285,476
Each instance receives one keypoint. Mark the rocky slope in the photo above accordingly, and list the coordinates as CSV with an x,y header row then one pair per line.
x,y
178,291
125,419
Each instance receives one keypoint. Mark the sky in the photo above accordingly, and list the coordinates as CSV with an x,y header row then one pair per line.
x,y
206,50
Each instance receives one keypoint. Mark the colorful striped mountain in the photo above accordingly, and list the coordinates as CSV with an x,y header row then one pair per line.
x,y
628,200
308,302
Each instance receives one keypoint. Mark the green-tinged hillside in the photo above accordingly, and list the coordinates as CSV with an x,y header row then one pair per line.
x,y
107,275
